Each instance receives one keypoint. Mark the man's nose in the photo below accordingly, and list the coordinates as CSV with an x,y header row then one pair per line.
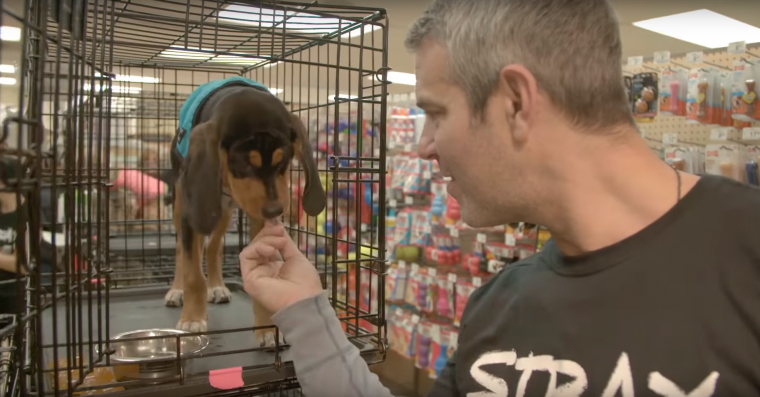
x,y
426,147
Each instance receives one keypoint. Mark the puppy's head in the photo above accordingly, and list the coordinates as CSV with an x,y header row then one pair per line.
x,y
260,138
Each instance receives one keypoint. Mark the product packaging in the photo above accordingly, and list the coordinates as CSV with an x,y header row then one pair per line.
x,y
645,87
424,346
725,159
746,106
463,289
446,295
673,91
395,283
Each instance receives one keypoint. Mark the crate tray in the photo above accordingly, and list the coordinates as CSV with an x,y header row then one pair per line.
x,y
143,308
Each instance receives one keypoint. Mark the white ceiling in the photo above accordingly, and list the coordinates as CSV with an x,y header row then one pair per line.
x,y
403,12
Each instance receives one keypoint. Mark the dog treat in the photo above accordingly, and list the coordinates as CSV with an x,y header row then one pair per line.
x,y
702,99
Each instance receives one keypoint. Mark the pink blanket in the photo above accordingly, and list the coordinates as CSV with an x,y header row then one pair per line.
x,y
145,187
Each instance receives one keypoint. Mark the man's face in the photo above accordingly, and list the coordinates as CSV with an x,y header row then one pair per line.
x,y
477,154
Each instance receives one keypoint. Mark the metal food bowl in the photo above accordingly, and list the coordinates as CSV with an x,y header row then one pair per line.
x,y
153,359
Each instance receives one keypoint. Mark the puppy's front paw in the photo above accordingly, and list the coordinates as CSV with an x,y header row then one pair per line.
x,y
173,298
192,326
219,295
265,338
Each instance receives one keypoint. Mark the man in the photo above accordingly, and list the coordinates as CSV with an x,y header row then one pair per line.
x,y
650,284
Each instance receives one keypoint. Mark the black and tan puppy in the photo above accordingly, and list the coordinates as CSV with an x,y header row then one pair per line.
x,y
238,154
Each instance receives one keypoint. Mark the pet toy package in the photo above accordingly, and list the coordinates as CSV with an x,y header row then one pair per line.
x,y
703,97
426,291
403,226
411,295
645,96
446,295
673,91
395,283
463,289
746,106
725,159
424,345
420,231
444,344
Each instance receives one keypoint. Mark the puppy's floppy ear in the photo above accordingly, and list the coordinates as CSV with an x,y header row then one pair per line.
x,y
314,199
201,179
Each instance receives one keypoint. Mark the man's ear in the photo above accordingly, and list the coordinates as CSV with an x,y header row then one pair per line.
x,y
314,199
201,180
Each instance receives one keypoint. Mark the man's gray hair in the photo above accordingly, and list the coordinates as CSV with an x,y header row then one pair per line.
x,y
572,47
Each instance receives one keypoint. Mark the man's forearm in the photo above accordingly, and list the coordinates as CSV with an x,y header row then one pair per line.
x,y
326,363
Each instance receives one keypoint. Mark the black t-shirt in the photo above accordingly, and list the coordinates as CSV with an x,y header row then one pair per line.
x,y
674,310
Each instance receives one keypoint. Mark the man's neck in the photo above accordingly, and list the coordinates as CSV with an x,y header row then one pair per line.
x,y
610,194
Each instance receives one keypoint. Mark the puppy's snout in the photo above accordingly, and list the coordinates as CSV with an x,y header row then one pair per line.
x,y
272,210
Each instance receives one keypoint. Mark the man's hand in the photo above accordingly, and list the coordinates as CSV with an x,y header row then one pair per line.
x,y
275,273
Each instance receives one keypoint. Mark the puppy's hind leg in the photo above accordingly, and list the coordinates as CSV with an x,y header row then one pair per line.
x,y
261,316
173,298
217,291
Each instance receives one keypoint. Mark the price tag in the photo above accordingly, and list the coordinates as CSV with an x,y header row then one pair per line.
x,y
481,238
408,200
432,272
509,239
426,228
391,145
718,134
453,277
401,265
695,57
392,203
454,232
477,282
751,134
662,57
427,175
415,268
670,138
408,147
635,61
399,312
415,319
739,47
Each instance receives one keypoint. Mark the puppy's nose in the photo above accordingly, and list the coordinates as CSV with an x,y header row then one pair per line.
x,y
272,210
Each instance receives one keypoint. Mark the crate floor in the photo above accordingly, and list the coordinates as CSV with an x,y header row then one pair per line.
x,y
143,308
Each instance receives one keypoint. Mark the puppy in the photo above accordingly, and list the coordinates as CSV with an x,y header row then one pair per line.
x,y
233,150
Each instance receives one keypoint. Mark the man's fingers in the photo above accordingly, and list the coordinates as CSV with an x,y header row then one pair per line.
x,y
271,228
265,248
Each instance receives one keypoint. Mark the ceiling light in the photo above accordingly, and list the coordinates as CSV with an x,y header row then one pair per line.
x,y
115,88
399,78
331,98
703,27
7,81
133,79
194,54
7,69
294,21
10,33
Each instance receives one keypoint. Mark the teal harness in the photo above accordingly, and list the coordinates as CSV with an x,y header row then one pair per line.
x,y
188,114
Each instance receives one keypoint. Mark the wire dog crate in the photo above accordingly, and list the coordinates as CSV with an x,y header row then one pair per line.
x,y
101,83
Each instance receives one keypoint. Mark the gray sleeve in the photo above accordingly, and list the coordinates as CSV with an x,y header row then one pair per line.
x,y
326,363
